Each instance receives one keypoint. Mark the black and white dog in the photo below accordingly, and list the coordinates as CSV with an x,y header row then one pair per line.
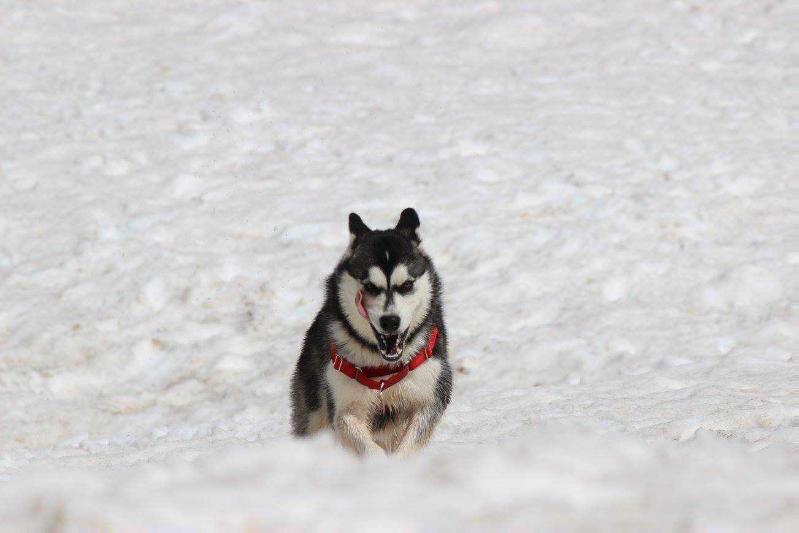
x,y
374,363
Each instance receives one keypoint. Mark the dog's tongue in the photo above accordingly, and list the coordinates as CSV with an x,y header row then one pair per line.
x,y
359,304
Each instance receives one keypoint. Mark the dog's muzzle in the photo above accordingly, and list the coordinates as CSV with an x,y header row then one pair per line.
x,y
390,345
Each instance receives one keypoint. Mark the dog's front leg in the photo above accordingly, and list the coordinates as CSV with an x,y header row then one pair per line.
x,y
420,429
354,433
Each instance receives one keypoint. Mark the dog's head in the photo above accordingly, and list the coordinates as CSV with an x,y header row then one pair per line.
x,y
385,289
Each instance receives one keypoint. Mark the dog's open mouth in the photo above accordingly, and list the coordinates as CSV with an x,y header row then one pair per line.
x,y
390,345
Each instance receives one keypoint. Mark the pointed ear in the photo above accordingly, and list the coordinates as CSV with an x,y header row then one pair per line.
x,y
409,223
357,227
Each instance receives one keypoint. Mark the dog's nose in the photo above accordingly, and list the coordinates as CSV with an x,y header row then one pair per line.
x,y
390,323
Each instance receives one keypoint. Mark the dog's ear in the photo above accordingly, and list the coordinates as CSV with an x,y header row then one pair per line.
x,y
408,224
357,228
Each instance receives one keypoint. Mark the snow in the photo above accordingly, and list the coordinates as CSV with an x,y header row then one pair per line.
x,y
609,191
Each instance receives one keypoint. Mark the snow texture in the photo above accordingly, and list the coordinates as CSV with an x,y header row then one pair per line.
x,y
609,190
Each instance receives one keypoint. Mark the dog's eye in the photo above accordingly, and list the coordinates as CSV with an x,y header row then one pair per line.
x,y
406,287
371,288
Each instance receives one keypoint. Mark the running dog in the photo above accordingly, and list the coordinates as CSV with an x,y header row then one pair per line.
x,y
374,366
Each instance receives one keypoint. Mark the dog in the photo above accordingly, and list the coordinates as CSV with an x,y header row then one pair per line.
x,y
374,366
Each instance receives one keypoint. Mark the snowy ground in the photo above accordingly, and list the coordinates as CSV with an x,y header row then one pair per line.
x,y
610,191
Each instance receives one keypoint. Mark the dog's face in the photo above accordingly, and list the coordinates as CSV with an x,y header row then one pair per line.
x,y
385,289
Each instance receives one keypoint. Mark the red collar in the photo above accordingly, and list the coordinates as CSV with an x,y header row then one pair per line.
x,y
363,374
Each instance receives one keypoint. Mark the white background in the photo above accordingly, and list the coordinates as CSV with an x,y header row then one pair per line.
x,y
609,191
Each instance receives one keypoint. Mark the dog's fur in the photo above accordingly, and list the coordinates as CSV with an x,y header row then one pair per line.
x,y
402,418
